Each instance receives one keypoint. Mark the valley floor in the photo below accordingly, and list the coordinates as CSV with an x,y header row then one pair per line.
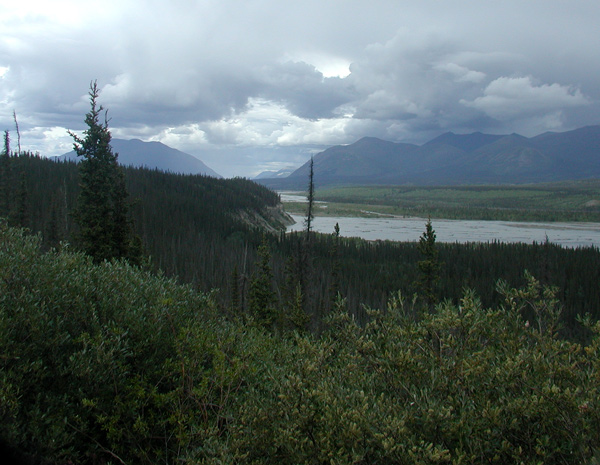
x,y
566,201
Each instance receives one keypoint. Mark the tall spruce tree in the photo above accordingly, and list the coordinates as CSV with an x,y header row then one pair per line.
x,y
430,266
310,200
5,177
304,247
102,211
261,295
336,267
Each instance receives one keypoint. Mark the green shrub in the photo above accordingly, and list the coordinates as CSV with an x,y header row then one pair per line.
x,y
109,364
462,385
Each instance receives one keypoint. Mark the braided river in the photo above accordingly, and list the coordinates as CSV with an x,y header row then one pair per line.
x,y
396,228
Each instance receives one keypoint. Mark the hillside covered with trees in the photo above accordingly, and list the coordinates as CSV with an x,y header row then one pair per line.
x,y
206,232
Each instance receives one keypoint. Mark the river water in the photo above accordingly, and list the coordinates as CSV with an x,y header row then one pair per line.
x,y
410,229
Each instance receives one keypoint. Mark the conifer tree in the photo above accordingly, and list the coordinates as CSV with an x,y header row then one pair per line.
x,y
53,232
22,211
261,295
430,266
311,198
6,150
304,252
56,229
335,265
18,133
294,316
102,212
297,318
235,290
5,177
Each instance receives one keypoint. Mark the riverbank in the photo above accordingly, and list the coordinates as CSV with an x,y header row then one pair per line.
x,y
460,231
574,201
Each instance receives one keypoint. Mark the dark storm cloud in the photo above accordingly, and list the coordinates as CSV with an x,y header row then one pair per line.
x,y
303,89
204,74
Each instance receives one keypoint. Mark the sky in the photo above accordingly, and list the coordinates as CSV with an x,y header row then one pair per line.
x,y
255,85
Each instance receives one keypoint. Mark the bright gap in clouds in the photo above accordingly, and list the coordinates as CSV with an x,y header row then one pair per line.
x,y
328,66
334,68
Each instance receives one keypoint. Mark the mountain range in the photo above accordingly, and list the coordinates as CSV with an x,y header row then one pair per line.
x,y
474,158
152,155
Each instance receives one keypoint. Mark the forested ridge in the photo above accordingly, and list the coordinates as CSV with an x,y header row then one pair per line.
x,y
192,229
176,216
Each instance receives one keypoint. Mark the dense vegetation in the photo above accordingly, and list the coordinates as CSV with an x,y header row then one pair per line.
x,y
107,363
188,224
561,201
300,348
192,227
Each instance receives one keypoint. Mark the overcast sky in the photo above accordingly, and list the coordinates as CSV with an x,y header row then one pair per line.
x,y
251,85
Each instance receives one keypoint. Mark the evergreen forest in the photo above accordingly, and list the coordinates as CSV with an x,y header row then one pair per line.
x,y
228,341
206,232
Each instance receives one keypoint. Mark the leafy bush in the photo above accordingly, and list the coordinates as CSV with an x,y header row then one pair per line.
x,y
110,364
107,362
462,385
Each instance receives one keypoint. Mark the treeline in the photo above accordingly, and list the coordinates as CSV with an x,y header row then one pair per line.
x,y
192,228
190,225
107,363
370,272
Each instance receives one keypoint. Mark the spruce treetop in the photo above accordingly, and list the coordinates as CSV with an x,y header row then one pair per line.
x,y
96,143
102,211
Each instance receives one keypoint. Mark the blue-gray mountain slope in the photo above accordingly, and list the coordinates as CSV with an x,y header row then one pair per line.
x,y
456,159
152,155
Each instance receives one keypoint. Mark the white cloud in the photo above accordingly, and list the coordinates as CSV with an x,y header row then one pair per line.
x,y
327,65
460,73
386,105
49,141
265,123
516,97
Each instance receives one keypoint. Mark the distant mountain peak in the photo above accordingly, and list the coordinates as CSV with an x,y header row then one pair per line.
x,y
155,155
466,142
368,139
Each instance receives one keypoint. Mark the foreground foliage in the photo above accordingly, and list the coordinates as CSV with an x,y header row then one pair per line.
x,y
106,363
109,364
